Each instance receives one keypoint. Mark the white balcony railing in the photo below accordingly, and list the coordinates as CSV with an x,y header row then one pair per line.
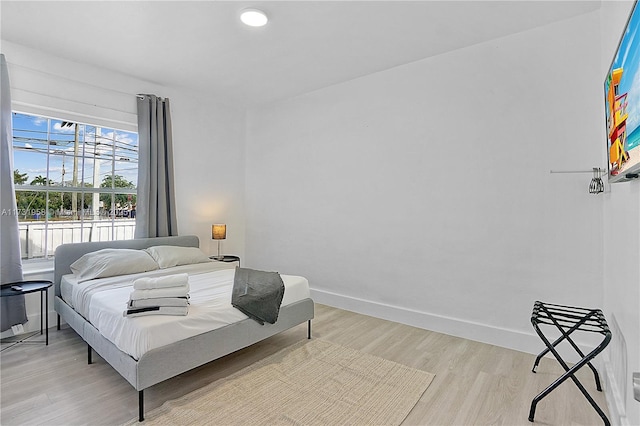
x,y
38,240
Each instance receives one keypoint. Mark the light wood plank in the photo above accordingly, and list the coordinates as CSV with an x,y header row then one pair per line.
x,y
475,383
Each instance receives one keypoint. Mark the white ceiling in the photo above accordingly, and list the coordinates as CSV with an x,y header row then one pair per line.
x,y
307,45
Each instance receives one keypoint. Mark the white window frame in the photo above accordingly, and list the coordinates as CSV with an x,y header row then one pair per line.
x,y
49,248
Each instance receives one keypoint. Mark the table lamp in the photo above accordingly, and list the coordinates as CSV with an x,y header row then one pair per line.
x,y
219,232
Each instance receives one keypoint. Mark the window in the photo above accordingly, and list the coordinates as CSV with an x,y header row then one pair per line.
x,y
74,183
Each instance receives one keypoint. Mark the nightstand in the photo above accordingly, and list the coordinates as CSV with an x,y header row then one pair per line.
x,y
227,258
25,287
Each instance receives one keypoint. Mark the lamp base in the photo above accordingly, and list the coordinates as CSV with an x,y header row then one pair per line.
x,y
219,257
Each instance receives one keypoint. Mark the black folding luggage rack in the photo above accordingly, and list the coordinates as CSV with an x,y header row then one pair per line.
x,y
568,319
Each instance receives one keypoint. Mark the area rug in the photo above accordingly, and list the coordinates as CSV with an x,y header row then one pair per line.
x,y
313,382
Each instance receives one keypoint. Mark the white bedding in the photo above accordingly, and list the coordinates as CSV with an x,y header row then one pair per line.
x,y
103,301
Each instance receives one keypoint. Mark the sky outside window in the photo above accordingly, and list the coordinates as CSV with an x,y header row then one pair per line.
x,y
109,149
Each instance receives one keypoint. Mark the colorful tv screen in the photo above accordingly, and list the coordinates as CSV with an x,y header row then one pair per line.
x,y
622,104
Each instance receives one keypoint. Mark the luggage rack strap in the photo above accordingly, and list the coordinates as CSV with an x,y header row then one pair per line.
x,y
590,320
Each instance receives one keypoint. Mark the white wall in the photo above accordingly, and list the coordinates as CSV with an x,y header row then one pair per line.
x,y
621,255
207,136
209,167
422,194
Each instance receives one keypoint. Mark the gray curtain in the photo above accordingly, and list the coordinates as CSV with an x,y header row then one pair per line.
x,y
12,308
156,205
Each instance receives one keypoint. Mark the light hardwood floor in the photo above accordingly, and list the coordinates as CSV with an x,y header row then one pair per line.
x,y
475,383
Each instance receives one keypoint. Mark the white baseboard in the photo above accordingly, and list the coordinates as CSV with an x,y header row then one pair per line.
x,y
528,342
504,337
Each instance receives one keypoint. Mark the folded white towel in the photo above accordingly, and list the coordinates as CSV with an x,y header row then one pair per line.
x,y
160,292
157,310
147,283
162,301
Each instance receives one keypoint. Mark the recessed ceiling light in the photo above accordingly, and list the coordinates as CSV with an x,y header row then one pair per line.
x,y
253,17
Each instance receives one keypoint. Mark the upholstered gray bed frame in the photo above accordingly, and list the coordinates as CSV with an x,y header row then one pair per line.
x,y
163,363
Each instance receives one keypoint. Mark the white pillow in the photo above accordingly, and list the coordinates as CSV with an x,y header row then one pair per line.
x,y
168,256
112,262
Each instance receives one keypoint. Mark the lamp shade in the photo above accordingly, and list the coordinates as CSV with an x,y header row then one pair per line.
x,y
218,232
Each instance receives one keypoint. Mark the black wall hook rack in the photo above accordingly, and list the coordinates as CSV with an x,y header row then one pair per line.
x,y
596,186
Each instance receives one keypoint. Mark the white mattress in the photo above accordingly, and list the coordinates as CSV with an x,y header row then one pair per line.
x,y
103,301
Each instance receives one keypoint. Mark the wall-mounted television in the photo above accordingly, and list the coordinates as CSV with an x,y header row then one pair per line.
x,y
622,104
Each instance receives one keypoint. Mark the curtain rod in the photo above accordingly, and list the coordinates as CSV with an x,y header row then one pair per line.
x,y
578,171
145,95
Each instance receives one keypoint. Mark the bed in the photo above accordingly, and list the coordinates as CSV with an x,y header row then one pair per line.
x,y
159,361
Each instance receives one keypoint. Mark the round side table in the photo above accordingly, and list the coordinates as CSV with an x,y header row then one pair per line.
x,y
26,287
226,258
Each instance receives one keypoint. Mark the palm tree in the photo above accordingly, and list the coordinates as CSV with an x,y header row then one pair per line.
x,y
39,198
41,180
19,178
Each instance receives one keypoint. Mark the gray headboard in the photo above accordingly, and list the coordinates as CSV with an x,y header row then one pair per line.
x,y
66,254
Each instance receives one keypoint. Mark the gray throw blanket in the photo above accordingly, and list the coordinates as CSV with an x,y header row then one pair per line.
x,y
258,294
